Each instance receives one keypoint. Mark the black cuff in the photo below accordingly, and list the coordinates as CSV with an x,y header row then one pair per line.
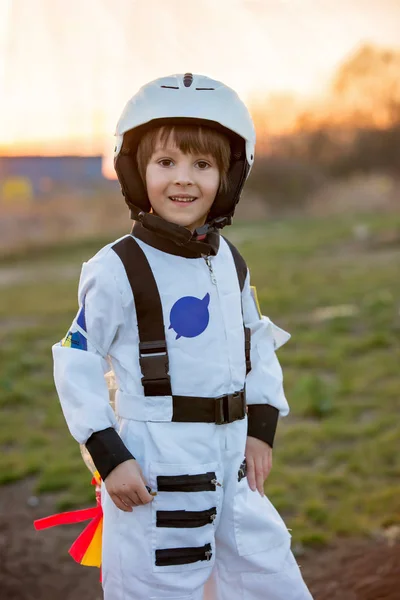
x,y
262,422
107,450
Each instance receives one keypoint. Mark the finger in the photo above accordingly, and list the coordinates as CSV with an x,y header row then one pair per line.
x,y
147,488
259,476
119,504
138,500
143,495
251,476
128,499
266,466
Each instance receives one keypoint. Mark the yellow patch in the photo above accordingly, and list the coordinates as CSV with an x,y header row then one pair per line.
x,y
67,341
255,298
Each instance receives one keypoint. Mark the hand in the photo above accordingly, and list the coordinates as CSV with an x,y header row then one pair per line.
x,y
259,463
127,486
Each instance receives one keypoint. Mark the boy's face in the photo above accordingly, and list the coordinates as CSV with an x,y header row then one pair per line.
x,y
181,187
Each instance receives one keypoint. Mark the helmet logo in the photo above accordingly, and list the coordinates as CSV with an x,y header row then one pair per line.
x,y
187,79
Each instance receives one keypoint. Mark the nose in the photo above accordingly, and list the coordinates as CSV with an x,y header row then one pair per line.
x,y
183,176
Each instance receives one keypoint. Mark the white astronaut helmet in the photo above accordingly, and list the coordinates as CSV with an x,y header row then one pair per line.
x,y
185,99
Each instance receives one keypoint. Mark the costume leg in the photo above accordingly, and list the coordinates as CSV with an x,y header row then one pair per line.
x,y
286,584
254,560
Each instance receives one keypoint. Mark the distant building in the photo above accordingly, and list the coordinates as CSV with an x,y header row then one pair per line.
x,y
45,173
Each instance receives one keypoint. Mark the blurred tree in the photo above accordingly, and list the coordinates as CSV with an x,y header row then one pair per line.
x,y
284,183
354,129
359,129
368,82
373,150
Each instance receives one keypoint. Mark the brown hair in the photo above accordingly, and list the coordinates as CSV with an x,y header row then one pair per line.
x,y
189,139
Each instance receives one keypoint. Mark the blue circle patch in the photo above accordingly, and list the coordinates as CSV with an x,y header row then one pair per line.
x,y
189,316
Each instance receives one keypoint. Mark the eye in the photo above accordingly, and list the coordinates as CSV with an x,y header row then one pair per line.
x,y
165,162
203,165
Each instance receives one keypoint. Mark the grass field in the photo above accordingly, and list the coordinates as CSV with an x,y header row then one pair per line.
x,y
336,461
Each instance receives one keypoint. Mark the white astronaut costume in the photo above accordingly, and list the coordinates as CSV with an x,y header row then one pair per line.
x,y
205,526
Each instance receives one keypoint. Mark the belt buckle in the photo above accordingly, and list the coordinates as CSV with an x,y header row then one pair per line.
x,y
154,365
225,410
220,410
153,360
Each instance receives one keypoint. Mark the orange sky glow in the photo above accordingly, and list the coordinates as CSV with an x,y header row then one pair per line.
x,y
67,68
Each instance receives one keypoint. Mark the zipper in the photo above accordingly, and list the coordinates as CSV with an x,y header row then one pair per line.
x,y
182,556
212,274
214,281
188,483
185,518
242,471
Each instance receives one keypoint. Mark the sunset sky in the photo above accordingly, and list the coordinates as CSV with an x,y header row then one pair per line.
x,y
67,68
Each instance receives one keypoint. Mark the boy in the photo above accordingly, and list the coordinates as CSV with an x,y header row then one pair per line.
x,y
184,460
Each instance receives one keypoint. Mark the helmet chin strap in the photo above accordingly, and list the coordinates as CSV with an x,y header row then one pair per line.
x,y
217,223
177,233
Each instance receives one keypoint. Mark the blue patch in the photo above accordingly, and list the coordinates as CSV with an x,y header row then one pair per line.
x,y
81,320
77,340
74,340
189,316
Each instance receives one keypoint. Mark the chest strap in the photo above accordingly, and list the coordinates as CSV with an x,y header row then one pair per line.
x,y
153,352
241,270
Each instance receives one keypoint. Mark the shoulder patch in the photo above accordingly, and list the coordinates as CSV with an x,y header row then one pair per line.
x,y
74,339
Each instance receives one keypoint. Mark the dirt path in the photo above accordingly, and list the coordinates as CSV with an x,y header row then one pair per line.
x,y
36,566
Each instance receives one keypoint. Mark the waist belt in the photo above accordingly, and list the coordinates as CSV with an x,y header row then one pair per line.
x,y
184,409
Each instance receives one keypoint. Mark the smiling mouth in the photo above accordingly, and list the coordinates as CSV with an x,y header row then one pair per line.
x,y
183,199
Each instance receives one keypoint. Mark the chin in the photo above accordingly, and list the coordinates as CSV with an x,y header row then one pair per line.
x,y
184,222
188,225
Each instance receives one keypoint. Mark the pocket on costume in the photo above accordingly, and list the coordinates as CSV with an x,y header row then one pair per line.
x,y
183,556
200,482
183,515
258,525
185,518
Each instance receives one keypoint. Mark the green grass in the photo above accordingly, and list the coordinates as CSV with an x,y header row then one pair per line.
x,y
336,461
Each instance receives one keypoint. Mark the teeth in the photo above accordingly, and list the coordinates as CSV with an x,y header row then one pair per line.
x,y
182,199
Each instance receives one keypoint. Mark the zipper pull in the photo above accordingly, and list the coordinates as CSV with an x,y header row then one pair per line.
x,y
208,554
209,265
216,483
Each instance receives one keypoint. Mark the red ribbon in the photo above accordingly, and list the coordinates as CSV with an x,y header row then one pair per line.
x,y
82,542
67,518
